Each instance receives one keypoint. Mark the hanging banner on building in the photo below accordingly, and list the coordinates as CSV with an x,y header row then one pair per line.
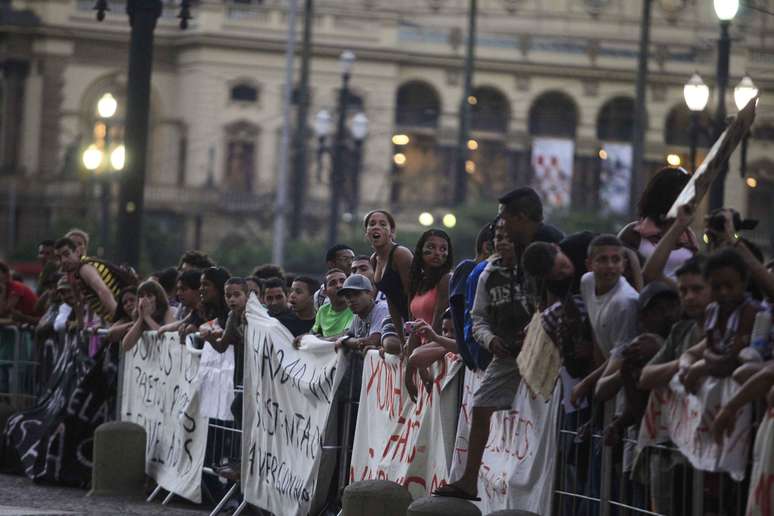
x,y
615,178
160,393
287,400
686,420
552,160
517,470
397,439
760,502
52,442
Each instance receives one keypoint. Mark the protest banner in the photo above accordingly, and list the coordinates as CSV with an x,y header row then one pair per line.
x,y
287,399
52,442
760,501
160,393
397,439
517,469
700,181
686,419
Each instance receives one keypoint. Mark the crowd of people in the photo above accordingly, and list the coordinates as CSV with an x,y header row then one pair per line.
x,y
627,312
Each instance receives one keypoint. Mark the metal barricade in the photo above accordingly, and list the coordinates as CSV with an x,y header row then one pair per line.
x,y
591,478
18,366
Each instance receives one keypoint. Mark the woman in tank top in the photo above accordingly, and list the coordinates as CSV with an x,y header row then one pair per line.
x,y
391,263
428,298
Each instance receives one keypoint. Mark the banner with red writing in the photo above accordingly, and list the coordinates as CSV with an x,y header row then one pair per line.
x,y
686,419
397,439
761,499
517,470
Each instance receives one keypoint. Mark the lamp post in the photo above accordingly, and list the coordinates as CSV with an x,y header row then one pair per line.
x,y
359,130
322,127
696,95
101,161
143,15
744,92
725,11
460,173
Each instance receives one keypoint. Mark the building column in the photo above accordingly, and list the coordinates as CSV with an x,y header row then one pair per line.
x,y
13,84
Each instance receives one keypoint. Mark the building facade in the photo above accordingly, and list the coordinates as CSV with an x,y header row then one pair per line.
x,y
553,76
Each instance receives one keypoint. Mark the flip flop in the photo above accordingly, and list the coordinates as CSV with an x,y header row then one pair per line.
x,y
452,491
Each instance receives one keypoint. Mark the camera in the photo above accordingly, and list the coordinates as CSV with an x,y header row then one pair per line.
x,y
716,221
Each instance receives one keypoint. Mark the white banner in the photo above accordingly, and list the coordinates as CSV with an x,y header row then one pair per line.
x,y
760,502
398,440
686,420
615,177
517,470
159,393
287,399
552,160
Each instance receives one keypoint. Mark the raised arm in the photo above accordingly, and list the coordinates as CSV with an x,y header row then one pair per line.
x,y
654,266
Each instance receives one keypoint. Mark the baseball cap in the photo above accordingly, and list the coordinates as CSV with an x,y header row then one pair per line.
x,y
356,282
654,290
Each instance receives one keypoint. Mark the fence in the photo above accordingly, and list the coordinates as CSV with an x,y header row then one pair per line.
x,y
590,477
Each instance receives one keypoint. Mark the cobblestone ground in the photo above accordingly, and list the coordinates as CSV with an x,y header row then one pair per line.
x,y
20,496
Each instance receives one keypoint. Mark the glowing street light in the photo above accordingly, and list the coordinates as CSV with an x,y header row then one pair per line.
x,y
472,144
107,106
426,219
673,160
400,139
744,92
118,158
399,159
696,93
449,220
92,157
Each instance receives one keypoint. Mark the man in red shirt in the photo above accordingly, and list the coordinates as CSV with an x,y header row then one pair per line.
x,y
19,300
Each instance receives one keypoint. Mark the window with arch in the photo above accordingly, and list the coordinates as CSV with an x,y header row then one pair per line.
x,y
417,105
759,203
678,126
241,153
488,156
417,156
553,114
615,122
489,110
244,92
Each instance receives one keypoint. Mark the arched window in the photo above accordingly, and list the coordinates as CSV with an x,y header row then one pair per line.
x,y
615,122
759,203
241,154
417,158
677,129
553,114
244,92
490,110
417,105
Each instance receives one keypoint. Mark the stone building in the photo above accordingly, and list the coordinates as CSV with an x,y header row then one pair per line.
x,y
546,71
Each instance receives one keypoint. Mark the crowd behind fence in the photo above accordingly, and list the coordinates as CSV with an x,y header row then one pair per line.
x,y
588,480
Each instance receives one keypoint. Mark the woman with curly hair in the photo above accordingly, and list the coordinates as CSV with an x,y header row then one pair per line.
x,y
428,299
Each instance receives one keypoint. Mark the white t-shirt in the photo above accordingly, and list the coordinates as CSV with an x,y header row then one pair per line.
x,y
613,315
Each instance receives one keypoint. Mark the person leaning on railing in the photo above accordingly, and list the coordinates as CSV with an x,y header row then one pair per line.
x,y
151,313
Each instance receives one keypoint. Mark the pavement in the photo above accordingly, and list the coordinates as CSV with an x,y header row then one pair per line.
x,y
21,496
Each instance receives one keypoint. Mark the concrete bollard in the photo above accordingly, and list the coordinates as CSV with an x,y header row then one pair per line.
x,y
375,498
119,460
442,506
512,512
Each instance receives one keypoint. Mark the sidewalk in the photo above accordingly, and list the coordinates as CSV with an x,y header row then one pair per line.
x,y
20,496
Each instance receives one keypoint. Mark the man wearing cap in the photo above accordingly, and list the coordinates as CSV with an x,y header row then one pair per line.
x,y
366,329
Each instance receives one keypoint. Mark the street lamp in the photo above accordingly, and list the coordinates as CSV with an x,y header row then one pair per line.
x,y
696,95
744,92
357,132
725,10
101,157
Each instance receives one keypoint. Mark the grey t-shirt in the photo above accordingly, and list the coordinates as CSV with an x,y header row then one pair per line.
x,y
683,335
372,323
